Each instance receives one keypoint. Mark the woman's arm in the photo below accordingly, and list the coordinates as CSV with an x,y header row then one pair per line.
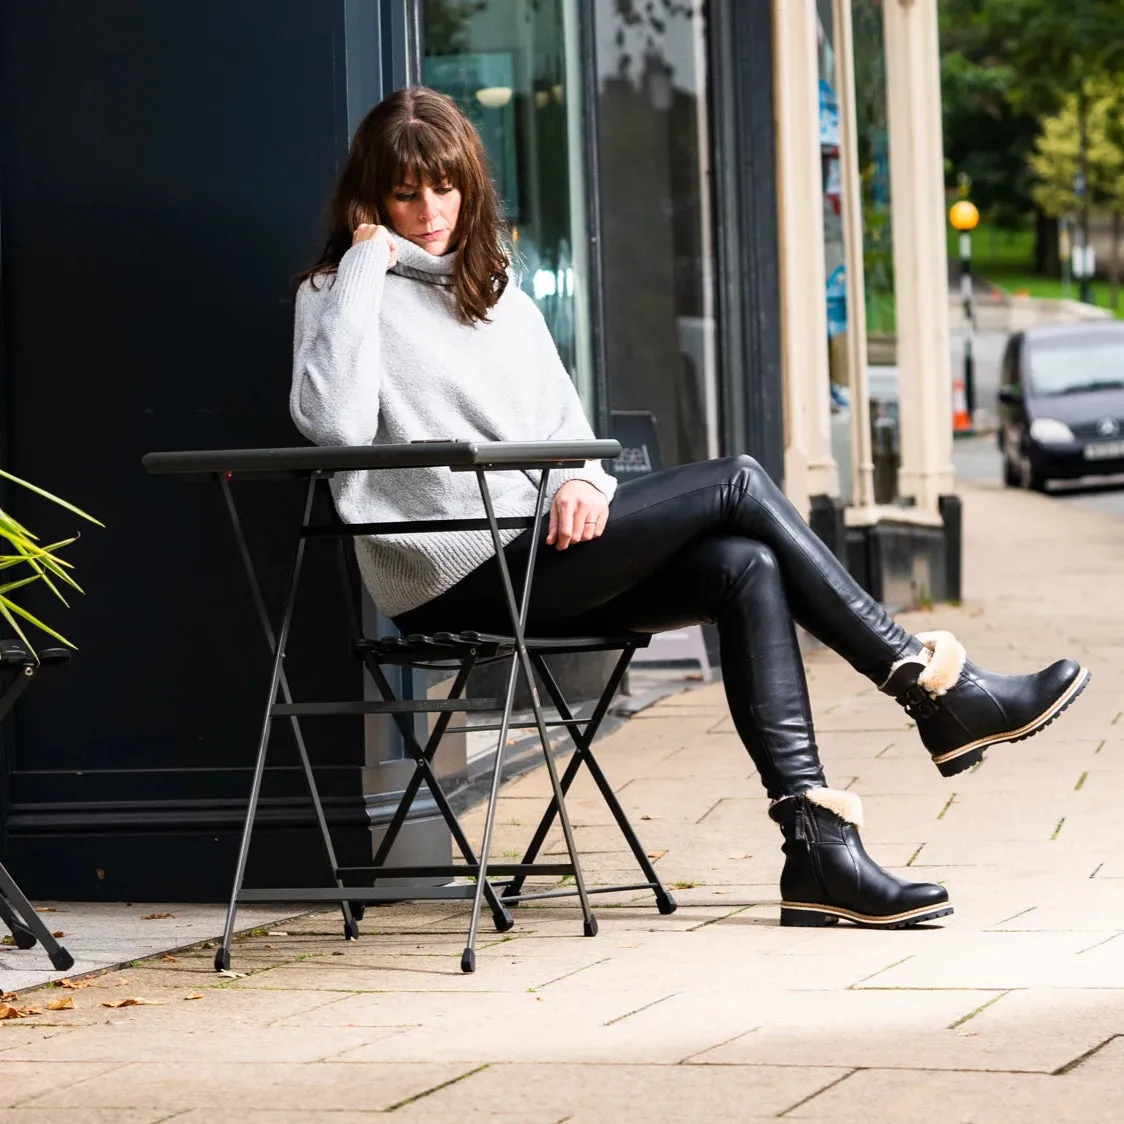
x,y
334,398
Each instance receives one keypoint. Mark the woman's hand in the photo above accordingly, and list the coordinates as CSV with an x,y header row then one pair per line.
x,y
370,232
579,513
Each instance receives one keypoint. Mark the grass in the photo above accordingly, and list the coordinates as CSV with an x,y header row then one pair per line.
x,y
995,248
1006,259
1031,284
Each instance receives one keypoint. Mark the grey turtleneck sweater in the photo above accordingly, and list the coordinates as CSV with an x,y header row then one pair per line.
x,y
380,358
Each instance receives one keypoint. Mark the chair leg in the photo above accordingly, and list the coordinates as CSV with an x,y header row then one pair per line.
x,y
583,752
424,759
33,923
21,934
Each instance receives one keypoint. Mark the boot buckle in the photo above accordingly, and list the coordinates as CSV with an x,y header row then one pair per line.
x,y
918,703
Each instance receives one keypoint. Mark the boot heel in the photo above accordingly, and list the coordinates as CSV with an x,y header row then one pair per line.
x,y
806,919
959,764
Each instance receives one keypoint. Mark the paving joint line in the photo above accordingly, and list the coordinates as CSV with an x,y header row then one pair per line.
x,y
436,1088
949,804
647,1006
852,987
1098,944
1081,1059
717,1046
812,1097
574,972
979,1010
1021,913
724,917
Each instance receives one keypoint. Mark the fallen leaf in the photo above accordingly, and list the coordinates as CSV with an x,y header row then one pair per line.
x,y
157,916
45,909
8,939
232,975
9,1012
169,957
277,933
9,997
58,933
194,995
133,1003
75,985
657,854
66,1004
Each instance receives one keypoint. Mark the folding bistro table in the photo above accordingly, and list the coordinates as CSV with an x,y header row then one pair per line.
x,y
452,652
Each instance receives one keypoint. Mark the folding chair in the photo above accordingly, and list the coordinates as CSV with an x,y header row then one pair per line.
x,y
17,669
456,653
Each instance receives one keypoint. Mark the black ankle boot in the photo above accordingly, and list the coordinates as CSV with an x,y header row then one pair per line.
x,y
960,709
828,875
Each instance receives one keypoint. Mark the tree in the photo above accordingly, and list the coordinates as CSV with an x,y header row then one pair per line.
x,y
1057,51
986,138
1057,158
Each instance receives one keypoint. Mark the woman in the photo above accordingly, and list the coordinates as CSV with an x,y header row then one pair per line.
x,y
409,328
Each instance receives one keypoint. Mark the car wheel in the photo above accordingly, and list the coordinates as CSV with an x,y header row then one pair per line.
x,y
1032,478
1012,477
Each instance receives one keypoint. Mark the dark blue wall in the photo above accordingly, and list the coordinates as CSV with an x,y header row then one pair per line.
x,y
162,172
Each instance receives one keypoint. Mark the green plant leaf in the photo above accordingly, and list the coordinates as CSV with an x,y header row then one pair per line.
x,y
15,627
7,587
48,496
14,608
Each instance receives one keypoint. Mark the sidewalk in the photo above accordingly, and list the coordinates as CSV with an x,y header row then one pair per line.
x,y
1012,1009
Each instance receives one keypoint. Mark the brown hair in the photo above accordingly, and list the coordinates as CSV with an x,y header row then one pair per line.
x,y
418,135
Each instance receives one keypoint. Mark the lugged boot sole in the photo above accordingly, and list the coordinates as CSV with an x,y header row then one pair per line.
x,y
808,916
958,760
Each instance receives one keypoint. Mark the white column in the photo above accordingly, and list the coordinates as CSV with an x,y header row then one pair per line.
x,y
810,468
913,95
862,464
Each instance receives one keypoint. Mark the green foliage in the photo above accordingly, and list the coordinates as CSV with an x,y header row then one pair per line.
x,y
31,562
1055,49
987,140
1056,157
1005,64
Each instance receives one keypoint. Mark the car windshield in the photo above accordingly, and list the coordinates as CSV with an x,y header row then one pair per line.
x,y
1075,364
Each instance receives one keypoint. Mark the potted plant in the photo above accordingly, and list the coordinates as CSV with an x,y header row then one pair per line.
x,y
30,562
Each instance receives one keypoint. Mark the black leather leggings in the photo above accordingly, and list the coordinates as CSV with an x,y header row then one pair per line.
x,y
715,541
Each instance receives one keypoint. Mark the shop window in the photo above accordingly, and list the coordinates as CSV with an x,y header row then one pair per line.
x,y
655,193
514,67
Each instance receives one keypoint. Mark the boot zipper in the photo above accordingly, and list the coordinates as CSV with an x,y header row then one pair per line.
x,y
806,830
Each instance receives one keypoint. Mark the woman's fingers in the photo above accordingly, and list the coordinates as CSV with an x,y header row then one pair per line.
x,y
594,524
565,510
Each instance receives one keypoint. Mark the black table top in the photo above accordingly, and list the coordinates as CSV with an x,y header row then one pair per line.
x,y
462,456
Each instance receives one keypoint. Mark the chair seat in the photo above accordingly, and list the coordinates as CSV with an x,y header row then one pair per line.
x,y
485,645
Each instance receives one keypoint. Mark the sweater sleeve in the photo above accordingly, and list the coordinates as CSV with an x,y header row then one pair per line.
x,y
334,399
566,416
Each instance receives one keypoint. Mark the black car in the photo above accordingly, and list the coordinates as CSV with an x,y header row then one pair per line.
x,y
1061,403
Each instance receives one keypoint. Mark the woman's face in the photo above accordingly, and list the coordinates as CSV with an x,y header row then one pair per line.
x,y
425,215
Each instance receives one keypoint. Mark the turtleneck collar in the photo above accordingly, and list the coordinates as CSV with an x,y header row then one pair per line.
x,y
420,265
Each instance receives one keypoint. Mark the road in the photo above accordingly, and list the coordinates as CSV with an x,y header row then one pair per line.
x,y
977,458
